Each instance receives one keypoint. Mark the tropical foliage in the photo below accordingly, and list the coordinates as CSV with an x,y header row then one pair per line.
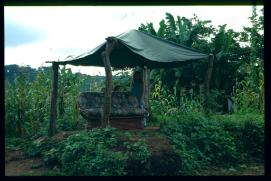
x,y
27,103
222,138
238,64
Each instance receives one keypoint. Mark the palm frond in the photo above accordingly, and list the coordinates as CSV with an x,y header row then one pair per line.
x,y
171,25
162,29
150,29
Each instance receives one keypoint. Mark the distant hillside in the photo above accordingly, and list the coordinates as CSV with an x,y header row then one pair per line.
x,y
12,71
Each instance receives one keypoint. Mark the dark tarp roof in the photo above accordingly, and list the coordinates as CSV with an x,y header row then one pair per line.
x,y
136,48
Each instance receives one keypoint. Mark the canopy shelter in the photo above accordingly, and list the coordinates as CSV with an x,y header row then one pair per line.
x,y
130,49
136,48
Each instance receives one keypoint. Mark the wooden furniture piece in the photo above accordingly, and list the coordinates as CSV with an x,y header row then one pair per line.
x,y
125,113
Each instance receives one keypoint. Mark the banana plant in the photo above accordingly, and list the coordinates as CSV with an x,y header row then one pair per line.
x,y
162,29
183,27
171,26
221,42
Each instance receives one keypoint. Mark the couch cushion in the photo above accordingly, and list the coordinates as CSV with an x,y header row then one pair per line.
x,y
123,104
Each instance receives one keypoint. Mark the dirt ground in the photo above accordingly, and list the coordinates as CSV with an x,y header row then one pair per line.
x,y
20,166
16,164
251,169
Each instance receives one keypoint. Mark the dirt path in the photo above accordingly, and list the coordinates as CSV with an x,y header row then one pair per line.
x,y
251,169
25,167
17,165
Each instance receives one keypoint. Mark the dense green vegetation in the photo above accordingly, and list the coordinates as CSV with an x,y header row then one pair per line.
x,y
238,63
216,140
220,138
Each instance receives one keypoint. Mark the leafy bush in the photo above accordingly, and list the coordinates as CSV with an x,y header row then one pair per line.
x,y
14,143
204,140
138,158
248,94
165,103
27,103
97,152
248,133
38,147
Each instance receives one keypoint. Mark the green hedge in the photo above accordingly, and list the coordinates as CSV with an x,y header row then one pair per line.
x,y
248,133
102,152
216,140
98,152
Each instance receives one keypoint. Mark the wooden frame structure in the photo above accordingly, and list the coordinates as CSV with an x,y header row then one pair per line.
x,y
111,44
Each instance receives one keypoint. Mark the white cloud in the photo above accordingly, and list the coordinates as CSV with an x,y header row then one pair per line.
x,y
73,30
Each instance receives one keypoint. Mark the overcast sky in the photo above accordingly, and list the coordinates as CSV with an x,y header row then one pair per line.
x,y
34,35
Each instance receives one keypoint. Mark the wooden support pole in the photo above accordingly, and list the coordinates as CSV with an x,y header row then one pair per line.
x,y
207,81
146,78
53,108
108,90
110,45
178,91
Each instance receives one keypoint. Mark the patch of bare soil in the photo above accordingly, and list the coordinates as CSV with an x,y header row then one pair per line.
x,y
16,164
155,128
157,142
163,160
251,169
13,155
62,135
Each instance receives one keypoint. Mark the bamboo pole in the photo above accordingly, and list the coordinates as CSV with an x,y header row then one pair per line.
x,y
53,108
207,81
110,45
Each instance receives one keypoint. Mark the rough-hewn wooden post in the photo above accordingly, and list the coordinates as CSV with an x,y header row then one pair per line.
x,y
53,108
111,43
207,81
146,78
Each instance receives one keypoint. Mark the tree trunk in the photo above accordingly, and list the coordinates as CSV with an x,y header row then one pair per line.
x,y
178,92
76,114
53,110
108,90
146,79
61,105
110,45
207,81
19,129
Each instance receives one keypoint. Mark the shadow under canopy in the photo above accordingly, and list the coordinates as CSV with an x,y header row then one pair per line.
x,y
132,48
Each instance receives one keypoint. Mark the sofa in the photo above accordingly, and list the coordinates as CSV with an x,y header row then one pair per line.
x,y
125,112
